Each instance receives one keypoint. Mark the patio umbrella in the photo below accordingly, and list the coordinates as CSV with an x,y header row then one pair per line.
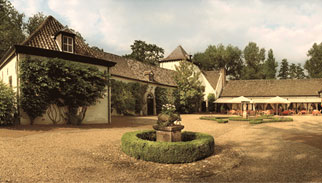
x,y
277,100
239,100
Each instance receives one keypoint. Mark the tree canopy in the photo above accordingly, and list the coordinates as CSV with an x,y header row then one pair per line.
x,y
34,22
189,92
254,59
314,64
11,26
145,52
284,70
217,57
270,65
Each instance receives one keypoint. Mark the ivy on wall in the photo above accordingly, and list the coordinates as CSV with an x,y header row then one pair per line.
x,y
46,82
7,105
128,97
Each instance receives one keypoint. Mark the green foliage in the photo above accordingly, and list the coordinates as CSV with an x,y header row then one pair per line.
x,y
146,53
300,72
213,118
238,119
163,96
189,92
270,65
254,59
292,71
11,26
56,81
314,64
34,22
211,99
7,105
193,147
217,57
284,70
127,97
256,121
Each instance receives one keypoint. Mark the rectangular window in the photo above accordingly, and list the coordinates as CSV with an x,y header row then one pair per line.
x,y
68,44
10,81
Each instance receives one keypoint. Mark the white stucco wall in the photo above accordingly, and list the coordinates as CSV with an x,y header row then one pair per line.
x,y
96,114
208,88
10,69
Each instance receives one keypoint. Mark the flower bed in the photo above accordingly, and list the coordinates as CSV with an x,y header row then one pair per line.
x,y
142,145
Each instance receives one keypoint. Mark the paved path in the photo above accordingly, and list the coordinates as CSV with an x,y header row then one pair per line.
x,y
289,151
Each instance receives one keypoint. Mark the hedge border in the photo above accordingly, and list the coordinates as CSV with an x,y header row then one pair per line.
x,y
168,152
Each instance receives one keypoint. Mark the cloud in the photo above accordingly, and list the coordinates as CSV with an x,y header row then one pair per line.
x,y
288,27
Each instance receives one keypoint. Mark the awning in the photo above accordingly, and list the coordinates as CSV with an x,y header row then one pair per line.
x,y
277,100
223,100
305,100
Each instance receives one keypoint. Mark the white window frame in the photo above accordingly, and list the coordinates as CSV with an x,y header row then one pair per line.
x,y
67,44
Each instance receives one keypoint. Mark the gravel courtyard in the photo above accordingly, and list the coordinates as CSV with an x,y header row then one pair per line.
x,y
289,151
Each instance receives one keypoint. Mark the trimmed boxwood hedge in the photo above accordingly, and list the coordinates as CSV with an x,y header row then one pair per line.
x,y
213,118
142,145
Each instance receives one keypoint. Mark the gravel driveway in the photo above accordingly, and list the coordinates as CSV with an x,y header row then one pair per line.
x,y
289,151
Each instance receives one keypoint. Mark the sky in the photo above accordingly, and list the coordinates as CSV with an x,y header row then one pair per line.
x,y
288,27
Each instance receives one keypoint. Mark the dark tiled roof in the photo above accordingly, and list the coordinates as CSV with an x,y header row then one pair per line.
x,y
263,88
212,77
178,54
136,70
43,38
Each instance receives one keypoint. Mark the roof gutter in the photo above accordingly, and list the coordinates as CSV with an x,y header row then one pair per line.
x,y
56,54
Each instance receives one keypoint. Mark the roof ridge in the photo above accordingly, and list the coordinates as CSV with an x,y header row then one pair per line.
x,y
276,79
38,29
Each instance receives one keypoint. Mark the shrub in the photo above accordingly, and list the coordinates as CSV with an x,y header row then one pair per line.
x,y
278,119
256,121
222,120
238,119
211,100
7,105
213,118
193,147
163,96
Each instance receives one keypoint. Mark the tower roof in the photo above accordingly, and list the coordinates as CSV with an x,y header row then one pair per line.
x,y
177,54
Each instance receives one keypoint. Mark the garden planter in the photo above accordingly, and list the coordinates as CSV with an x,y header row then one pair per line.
x,y
168,133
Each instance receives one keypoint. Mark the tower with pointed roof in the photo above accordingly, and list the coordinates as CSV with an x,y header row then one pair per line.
x,y
177,55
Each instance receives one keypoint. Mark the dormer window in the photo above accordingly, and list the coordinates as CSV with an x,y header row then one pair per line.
x,y
65,39
68,44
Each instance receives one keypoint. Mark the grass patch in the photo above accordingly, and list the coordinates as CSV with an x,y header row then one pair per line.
x,y
194,146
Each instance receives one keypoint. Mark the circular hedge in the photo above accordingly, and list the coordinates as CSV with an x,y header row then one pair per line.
x,y
142,145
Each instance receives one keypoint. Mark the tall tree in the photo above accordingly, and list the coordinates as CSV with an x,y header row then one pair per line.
x,y
217,57
146,53
34,22
284,70
314,64
254,59
270,65
292,71
189,92
11,26
300,72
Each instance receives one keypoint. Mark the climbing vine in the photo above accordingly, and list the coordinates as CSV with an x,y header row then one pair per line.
x,y
7,105
51,84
